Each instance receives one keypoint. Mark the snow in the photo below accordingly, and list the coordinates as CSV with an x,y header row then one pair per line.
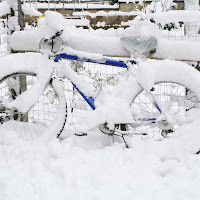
x,y
82,54
89,42
79,81
75,6
88,168
103,13
27,10
97,44
174,16
191,5
119,101
4,8
57,124
29,41
55,20
79,40
178,49
33,63
77,22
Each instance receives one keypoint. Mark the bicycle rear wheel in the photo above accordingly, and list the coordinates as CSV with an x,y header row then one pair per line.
x,y
40,117
176,91
174,99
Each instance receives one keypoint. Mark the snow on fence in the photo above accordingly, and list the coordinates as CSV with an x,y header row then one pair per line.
x,y
71,4
4,50
181,31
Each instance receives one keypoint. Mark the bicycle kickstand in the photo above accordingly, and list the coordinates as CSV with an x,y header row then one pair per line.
x,y
122,135
125,141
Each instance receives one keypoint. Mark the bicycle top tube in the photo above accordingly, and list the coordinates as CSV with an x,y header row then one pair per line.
x,y
102,61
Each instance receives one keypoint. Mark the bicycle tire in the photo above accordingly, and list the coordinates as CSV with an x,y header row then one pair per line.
x,y
176,92
42,116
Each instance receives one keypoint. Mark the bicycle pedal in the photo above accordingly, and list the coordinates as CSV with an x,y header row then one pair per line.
x,y
80,134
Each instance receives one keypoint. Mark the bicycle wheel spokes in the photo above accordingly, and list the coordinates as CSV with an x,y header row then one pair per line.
x,y
32,124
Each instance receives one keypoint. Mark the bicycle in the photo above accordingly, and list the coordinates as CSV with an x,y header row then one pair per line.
x,y
141,109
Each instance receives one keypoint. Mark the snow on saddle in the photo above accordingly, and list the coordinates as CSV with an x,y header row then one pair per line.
x,y
138,46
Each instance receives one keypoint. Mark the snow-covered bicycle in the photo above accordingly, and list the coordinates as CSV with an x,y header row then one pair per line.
x,y
152,97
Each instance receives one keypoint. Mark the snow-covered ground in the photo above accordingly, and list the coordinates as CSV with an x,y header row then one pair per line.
x,y
88,168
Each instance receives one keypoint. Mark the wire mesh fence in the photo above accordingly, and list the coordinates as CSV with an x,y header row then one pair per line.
x,y
182,31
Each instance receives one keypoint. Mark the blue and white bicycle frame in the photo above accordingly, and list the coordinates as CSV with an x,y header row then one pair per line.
x,y
90,100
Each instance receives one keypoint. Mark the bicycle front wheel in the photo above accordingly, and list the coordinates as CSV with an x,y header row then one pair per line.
x,y
40,117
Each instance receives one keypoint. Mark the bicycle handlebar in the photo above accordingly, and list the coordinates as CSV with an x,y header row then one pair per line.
x,y
57,34
51,42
